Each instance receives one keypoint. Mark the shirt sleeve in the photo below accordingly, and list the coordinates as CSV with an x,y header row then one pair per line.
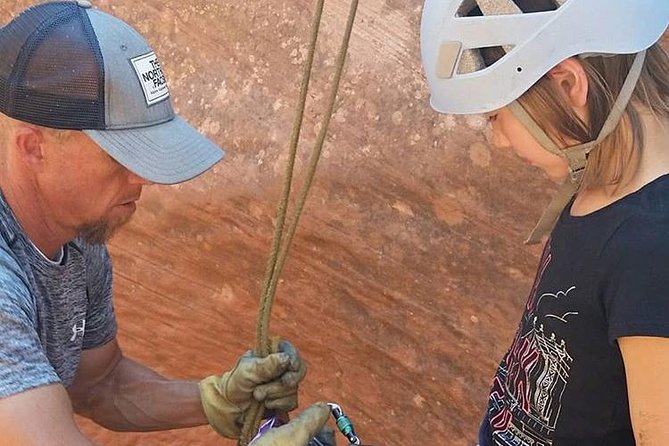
x,y
23,363
100,318
636,279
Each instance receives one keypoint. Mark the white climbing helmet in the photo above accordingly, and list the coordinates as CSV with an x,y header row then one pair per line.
x,y
454,31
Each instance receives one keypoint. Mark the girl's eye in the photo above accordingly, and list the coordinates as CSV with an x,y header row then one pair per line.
x,y
492,117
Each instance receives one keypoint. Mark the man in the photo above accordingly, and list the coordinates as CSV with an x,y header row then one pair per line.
x,y
86,123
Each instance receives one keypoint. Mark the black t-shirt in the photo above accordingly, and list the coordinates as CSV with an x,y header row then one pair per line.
x,y
601,277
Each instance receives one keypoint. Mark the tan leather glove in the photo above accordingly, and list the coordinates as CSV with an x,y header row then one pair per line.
x,y
300,430
272,380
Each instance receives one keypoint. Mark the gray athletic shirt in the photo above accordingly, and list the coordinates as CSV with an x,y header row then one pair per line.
x,y
49,312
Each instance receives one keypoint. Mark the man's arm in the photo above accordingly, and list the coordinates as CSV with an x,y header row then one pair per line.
x,y
647,370
123,395
39,417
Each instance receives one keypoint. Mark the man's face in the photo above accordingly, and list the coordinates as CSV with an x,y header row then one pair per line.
x,y
86,192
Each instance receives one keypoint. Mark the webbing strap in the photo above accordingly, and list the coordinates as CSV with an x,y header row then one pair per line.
x,y
576,155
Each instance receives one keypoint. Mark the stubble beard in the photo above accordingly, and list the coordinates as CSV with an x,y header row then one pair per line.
x,y
101,231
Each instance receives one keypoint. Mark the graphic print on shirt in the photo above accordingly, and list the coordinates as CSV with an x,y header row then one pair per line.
x,y
527,391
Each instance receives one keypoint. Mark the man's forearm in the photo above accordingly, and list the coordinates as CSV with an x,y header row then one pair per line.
x,y
135,398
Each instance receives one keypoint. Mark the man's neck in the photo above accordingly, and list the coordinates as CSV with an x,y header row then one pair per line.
x,y
27,205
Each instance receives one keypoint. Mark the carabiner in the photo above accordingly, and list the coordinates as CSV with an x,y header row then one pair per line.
x,y
344,424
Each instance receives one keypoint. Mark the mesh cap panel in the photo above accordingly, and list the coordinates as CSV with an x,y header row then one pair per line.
x,y
56,79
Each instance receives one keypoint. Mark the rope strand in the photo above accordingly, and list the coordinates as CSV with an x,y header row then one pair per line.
x,y
262,346
281,246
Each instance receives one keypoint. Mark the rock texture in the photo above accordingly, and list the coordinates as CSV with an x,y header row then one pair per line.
x,y
407,275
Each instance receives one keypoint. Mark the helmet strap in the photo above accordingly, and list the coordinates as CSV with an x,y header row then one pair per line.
x,y
577,156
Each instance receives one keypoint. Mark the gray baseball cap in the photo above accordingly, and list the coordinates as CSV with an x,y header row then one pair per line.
x,y
66,65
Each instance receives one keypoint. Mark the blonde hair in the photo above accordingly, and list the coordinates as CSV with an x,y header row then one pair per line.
x,y
614,161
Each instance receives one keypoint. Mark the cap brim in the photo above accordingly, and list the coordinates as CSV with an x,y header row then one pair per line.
x,y
167,153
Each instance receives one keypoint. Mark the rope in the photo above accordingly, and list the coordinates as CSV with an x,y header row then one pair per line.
x,y
281,243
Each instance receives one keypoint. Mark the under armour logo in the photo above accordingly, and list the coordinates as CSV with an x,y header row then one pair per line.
x,y
78,329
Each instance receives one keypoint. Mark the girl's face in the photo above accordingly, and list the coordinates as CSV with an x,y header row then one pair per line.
x,y
509,133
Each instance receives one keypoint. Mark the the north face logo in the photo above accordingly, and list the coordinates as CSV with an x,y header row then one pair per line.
x,y
151,77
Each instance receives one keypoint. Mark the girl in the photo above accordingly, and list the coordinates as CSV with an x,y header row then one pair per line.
x,y
580,89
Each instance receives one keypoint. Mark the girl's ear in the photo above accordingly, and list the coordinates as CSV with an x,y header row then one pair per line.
x,y
569,77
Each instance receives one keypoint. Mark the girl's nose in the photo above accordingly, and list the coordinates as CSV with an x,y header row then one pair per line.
x,y
496,137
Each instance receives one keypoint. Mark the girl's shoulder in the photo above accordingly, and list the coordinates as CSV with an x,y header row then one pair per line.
x,y
643,226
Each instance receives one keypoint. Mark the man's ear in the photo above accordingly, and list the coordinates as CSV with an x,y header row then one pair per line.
x,y
570,78
29,142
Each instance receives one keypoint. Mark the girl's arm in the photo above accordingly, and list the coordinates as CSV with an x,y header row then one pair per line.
x,y
647,368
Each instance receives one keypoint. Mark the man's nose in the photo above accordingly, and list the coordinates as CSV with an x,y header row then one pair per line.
x,y
135,179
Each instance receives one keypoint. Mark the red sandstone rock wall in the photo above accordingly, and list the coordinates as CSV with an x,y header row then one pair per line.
x,y
408,273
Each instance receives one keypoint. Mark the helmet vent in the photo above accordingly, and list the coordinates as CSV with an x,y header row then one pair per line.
x,y
476,59
477,8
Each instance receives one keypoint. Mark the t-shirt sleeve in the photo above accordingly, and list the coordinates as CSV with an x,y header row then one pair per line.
x,y
100,317
23,363
636,279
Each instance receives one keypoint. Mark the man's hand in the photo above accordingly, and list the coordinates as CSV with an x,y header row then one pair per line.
x,y
271,380
301,430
